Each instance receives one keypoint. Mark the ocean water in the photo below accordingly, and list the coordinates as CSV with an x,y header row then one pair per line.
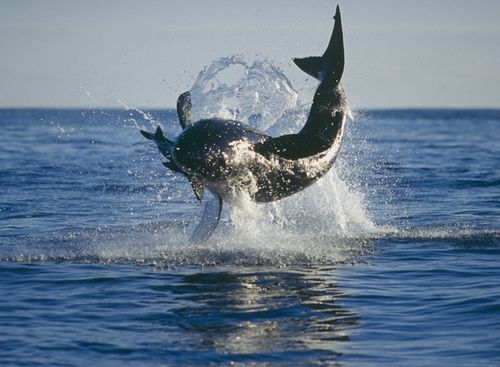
x,y
392,259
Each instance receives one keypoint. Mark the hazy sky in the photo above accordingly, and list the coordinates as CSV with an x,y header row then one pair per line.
x,y
402,53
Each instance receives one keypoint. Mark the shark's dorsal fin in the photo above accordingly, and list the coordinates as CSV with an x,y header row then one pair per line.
x,y
184,109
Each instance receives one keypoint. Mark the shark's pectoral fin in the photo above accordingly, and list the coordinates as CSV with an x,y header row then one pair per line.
x,y
184,109
172,166
209,220
197,186
310,65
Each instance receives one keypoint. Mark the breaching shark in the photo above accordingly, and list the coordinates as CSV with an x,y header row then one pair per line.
x,y
226,156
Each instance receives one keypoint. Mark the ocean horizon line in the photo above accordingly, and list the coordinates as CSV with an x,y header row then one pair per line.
x,y
173,108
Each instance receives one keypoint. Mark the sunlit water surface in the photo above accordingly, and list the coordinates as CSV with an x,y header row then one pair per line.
x,y
391,259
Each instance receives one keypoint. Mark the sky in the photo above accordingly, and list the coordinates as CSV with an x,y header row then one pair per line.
x,y
399,53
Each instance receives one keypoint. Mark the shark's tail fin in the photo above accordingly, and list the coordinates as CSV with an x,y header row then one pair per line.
x,y
312,65
331,64
328,112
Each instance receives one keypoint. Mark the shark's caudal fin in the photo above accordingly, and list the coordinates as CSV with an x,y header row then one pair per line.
x,y
312,65
328,113
331,64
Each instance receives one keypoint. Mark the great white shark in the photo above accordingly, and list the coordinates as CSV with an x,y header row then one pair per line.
x,y
226,156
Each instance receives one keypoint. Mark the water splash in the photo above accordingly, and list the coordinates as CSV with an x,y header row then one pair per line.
x,y
322,223
146,116
247,239
257,92
326,223
331,206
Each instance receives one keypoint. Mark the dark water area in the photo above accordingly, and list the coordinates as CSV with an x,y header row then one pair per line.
x,y
390,260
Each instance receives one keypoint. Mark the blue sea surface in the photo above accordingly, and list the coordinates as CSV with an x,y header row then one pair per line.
x,y
393,259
